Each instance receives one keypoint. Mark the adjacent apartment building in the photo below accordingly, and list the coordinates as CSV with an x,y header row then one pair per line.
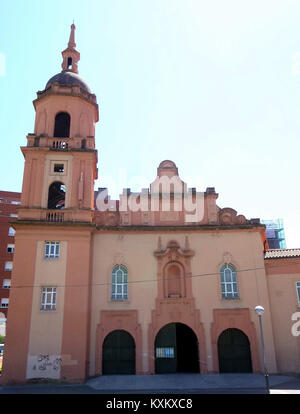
x,y
9,202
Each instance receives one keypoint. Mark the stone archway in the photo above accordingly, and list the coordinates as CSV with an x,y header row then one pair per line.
x,y
234,352
175,303
111,321
176,349
239,319
118,354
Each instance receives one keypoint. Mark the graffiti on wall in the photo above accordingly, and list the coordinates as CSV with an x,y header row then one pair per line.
x,y
44,362
44,366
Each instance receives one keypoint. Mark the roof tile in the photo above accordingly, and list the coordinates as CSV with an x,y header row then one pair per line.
x,y
282,253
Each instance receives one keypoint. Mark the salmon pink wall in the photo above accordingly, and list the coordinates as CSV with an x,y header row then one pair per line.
x,y
20,304
282,276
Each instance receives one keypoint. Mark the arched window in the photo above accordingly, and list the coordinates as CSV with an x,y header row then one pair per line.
x,y
119,283
229,282
62,125
56,196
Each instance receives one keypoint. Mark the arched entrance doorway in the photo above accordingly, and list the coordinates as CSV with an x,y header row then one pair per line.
x,y
234,352
118,354
176,349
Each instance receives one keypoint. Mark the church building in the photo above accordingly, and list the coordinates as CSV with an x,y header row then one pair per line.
x,y
160,281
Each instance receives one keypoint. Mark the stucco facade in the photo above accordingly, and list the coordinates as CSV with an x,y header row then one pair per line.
x,y
159,281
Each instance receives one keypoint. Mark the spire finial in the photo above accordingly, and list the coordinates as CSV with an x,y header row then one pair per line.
x,y
72,43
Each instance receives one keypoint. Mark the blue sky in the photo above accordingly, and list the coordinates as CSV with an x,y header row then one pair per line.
x,y
212,85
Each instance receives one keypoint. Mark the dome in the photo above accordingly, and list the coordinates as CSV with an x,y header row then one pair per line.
x,y
68,79
167,168
167,164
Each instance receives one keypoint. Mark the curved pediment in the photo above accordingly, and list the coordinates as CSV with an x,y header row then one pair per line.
x,y
228,216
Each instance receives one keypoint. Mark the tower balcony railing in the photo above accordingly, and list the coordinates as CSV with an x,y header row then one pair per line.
x,y
36,214
68,215
61,144
56,215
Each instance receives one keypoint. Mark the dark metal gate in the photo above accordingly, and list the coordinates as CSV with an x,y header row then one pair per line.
x,y
234,352
118,354
176,349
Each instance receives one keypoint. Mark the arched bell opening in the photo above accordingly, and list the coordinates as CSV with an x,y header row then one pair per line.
x,y
56,196
62,125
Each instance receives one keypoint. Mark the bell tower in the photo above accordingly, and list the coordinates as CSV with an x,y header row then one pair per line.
x,y
60,157
49,308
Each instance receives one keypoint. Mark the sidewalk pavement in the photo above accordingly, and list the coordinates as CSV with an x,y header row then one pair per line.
x,y
167,383
182,382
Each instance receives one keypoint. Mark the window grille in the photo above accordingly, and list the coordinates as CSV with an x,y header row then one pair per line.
x,y
119,283
48,298
229,282
52,249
